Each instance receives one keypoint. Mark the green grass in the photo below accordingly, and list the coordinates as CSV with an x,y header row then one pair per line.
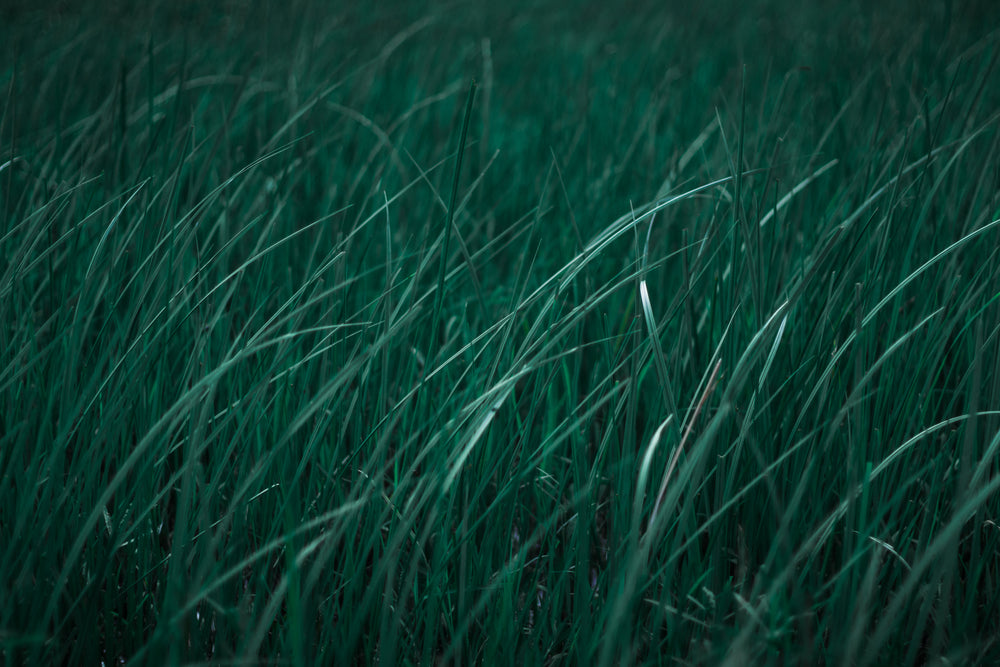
x,y
533,335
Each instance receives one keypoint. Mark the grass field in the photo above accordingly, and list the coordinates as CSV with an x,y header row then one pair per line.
x,y
554,333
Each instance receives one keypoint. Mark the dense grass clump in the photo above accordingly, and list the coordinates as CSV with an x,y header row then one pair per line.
x,y
547,333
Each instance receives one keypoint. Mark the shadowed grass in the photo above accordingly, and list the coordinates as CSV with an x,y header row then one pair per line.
x,y
695,361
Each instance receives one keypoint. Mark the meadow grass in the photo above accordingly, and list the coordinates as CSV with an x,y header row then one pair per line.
x,y
542,334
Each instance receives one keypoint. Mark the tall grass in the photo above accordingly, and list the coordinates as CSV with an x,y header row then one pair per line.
x,y
670,344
